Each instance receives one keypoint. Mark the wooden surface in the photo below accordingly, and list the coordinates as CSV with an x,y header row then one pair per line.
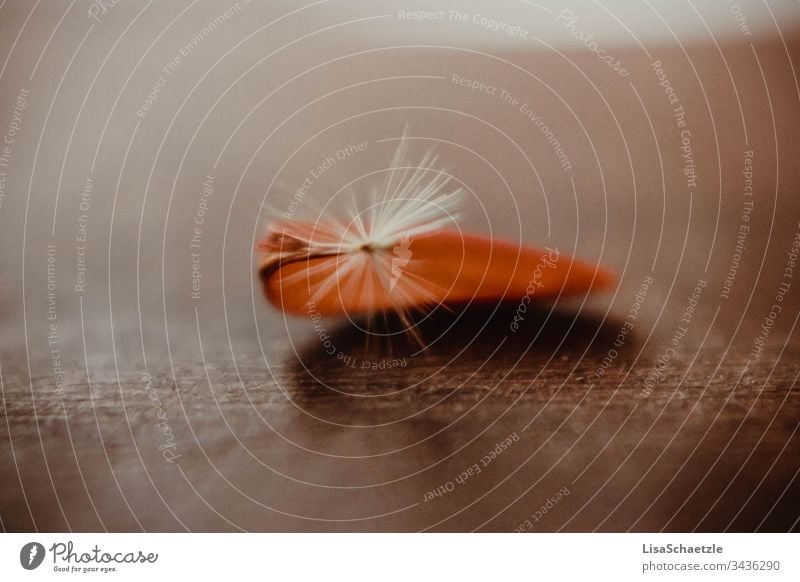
x,y
713,447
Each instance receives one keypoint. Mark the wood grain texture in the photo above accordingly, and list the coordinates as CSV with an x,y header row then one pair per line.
x,y
320,447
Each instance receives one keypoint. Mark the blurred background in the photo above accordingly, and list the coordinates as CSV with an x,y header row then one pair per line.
x,y
147,385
